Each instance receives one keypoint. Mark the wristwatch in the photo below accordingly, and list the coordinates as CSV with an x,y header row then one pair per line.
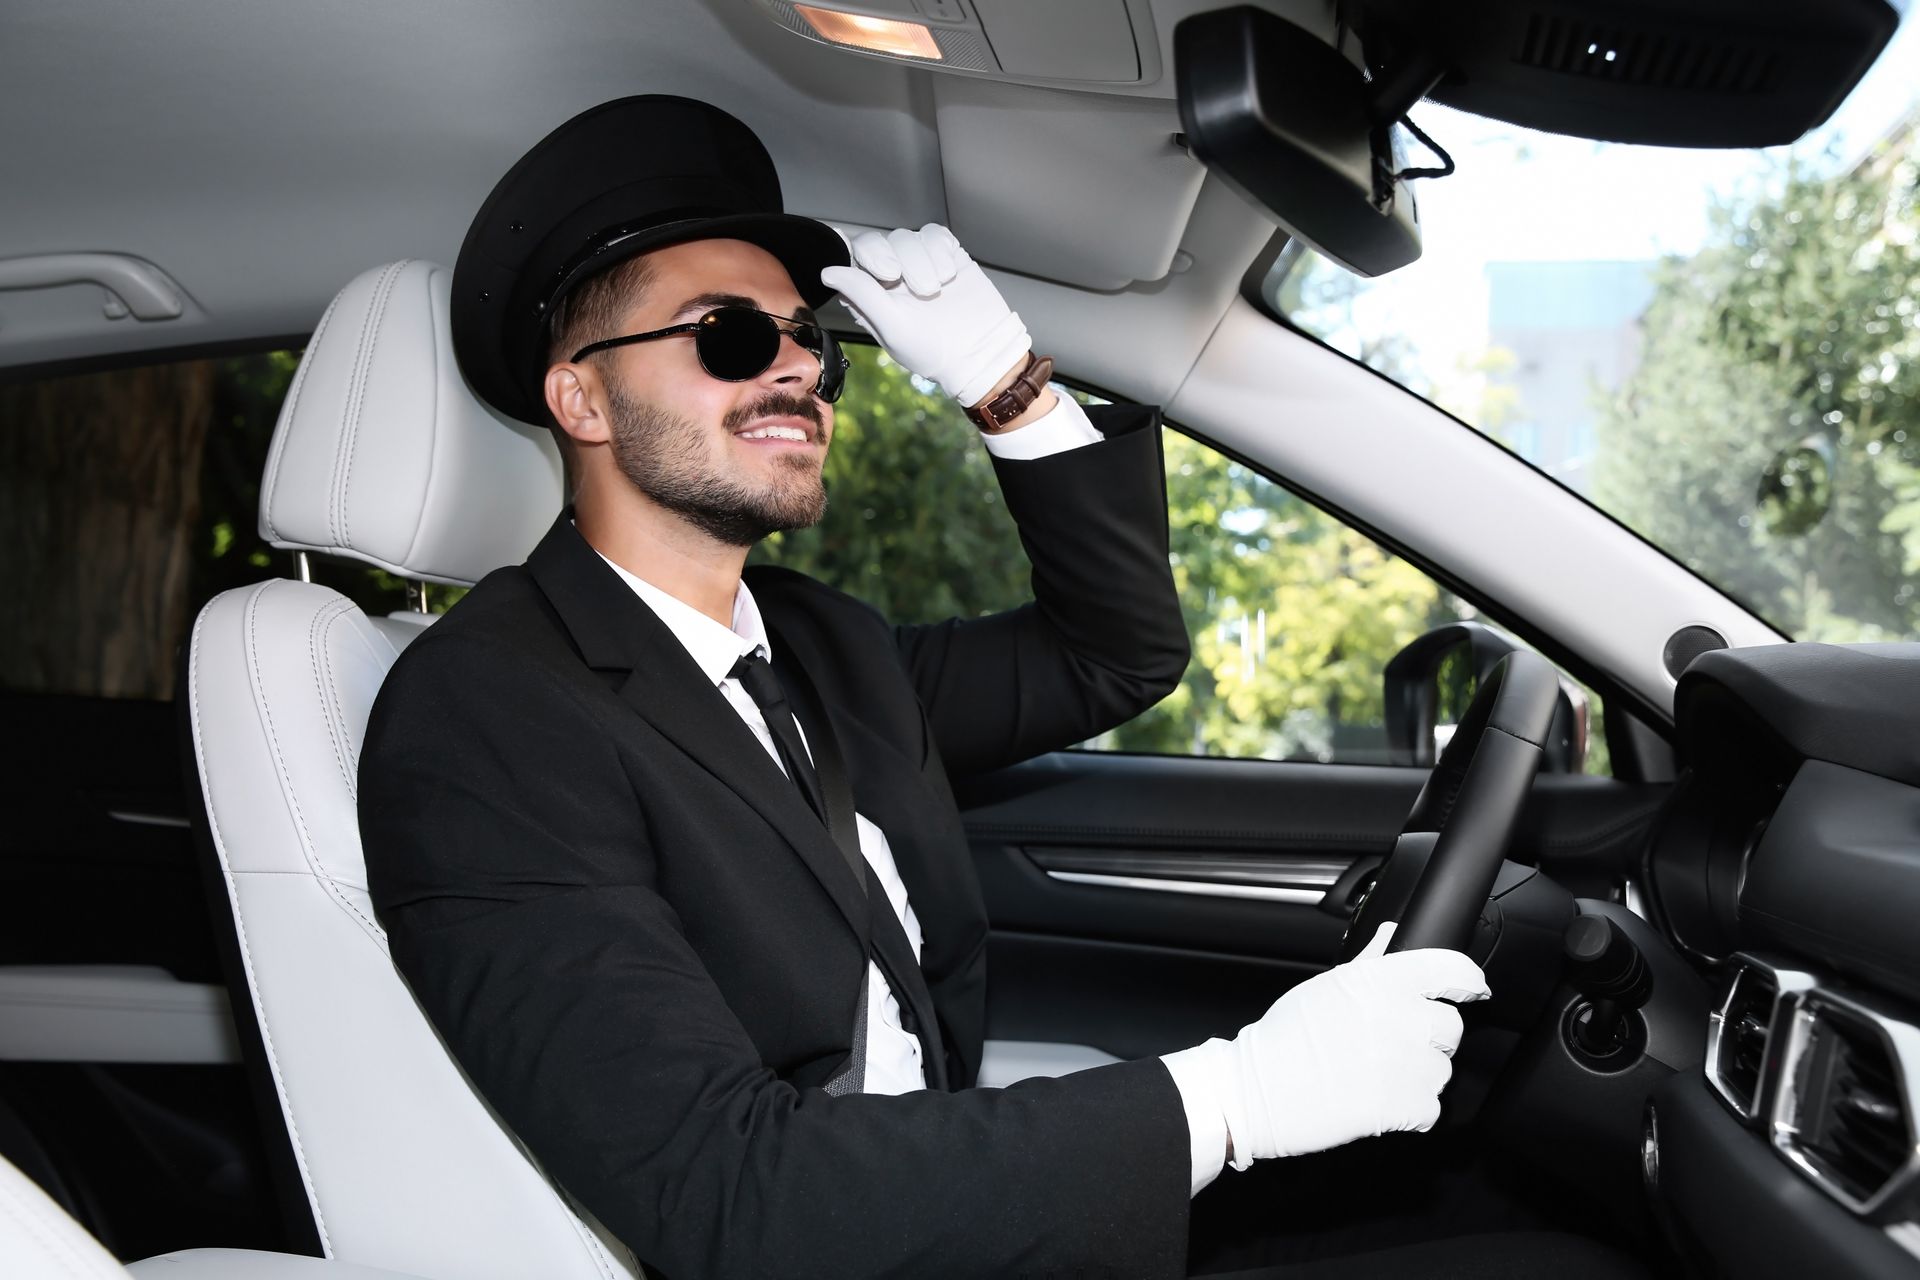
x,y
993,416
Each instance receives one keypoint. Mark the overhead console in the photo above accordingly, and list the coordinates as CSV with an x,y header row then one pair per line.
x,y
1071,43
1302,105
1691,73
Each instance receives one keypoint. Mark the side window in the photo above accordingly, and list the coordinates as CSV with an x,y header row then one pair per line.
x,y
1293,618
129,498
1293,615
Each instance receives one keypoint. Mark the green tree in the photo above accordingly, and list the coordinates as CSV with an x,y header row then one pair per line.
x,y
1293,618
1293,615
1770,436
914,523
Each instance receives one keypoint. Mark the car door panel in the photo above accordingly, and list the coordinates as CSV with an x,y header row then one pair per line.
x,y
1141,903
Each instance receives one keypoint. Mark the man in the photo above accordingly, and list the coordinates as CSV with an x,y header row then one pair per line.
x,y
705,931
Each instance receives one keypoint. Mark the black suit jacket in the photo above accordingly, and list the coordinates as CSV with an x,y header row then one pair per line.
x,y
644,948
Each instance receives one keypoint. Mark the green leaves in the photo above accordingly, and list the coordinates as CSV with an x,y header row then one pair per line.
x,y
914,522
1293,616
1771,435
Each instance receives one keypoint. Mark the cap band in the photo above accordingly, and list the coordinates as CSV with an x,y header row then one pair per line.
x,y
584,264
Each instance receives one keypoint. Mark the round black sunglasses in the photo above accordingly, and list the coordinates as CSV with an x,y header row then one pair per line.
x,y
737,343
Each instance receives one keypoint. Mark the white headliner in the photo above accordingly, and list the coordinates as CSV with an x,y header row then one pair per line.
x,y
262,155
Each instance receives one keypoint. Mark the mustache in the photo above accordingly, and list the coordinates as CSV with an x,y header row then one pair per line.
x,y
777,404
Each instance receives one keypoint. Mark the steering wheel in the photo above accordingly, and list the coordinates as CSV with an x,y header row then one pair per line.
x,y
1451,846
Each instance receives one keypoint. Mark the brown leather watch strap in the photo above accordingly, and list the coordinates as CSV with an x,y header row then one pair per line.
x,y
993,416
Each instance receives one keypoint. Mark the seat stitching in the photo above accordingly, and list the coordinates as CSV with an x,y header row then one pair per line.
x,y
595,1253
392,653
362,356
351,437
240,925
323,683
291,415
307,845
434,426
51,1238
340,434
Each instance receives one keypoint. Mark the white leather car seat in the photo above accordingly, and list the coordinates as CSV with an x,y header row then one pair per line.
x,y
40,1241
381,455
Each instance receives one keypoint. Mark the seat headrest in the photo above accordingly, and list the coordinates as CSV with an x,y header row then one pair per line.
x,y
383,455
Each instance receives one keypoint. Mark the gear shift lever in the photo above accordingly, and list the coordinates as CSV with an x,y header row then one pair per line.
x,y
1606,968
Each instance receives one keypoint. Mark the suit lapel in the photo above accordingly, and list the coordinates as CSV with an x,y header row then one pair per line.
x,y
616,632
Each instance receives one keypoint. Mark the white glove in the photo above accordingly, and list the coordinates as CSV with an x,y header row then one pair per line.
x,y
932,308
1362,1049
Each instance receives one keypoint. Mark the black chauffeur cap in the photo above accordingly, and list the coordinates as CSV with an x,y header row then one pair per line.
x,y
615,181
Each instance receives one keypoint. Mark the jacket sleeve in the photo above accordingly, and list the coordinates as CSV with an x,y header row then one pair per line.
x,y
1103,638
516,876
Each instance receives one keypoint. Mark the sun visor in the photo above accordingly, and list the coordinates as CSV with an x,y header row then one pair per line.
x,y
1028,171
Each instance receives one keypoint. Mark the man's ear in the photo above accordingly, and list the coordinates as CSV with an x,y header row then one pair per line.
x,y
577,400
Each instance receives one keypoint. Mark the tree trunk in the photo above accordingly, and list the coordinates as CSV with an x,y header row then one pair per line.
x,y
99,500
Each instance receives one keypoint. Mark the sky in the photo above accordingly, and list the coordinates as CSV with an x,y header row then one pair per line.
x,y
1525,196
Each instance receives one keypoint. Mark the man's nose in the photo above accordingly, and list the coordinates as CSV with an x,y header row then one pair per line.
x,y
794,363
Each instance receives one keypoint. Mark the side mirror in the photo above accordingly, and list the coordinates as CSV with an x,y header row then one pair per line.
x,y
1430,682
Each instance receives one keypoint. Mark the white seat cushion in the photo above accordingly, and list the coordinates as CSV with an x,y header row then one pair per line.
x,y
38,1239
383,455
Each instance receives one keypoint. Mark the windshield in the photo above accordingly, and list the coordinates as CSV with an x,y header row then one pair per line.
x,y
1719,348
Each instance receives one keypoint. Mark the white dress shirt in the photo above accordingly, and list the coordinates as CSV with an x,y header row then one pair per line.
x,y
893,1055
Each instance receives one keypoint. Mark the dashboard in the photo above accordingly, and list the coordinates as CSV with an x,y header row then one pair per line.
x,y
1787,865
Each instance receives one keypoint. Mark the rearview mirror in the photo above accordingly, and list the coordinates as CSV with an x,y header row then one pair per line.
x,y
1285,119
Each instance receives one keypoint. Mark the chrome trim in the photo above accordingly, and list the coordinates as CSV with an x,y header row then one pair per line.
x,y
1902,1042
302,566
1204,888
1277,871
1635,901
1650,1148
1788,986
147,819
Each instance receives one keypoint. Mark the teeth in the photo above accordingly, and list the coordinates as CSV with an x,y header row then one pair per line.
x,y
774,433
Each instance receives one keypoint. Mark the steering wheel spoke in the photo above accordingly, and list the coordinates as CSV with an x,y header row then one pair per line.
x,y
1455,838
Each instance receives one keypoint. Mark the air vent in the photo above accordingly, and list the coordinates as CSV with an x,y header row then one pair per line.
x,y
1739,1048
1603,51
1845,1114
1739,1032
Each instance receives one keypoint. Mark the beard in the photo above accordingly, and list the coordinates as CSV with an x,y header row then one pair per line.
x,y
671,460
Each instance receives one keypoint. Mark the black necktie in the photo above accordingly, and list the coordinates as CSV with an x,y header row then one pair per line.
x,y
763,686
891,948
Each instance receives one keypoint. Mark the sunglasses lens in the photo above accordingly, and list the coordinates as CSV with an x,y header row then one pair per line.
x,y
736,344
833,367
